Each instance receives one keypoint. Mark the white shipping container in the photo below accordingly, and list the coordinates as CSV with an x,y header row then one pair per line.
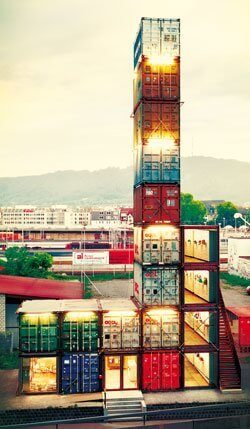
x,y
160,329
157,37
120,331
157,245
157,286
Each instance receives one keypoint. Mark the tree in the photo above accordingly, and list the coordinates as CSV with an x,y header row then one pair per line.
x,y
192,211
20,263
225,213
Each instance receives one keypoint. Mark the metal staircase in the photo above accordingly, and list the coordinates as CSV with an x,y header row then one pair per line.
x,y
230,371
117,405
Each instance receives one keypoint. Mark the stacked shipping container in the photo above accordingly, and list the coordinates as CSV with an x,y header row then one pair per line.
x,y
69,346
157,199
166,338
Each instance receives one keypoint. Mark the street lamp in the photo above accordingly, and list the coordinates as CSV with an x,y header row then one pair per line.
x,y
239,216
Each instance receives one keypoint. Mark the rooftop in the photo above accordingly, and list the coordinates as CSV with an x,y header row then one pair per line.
x,y
75,305
39,288
240,311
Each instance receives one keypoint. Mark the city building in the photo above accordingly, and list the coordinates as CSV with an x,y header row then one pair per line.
x,y
105,218
29,217
239,256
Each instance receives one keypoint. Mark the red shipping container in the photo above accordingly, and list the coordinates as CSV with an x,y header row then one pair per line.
x,y
121,256
160,371
154,204
156,121
157,81
240,326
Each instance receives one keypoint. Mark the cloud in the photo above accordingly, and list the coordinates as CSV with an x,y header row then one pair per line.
x,y
66,80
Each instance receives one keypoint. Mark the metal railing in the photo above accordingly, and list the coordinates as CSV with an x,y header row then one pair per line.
x,y
192,413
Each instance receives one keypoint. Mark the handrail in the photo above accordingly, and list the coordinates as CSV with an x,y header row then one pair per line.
x,y
228,406
224,313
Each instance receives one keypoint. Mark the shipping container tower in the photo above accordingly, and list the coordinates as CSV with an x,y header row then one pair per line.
x,y
157,199
186,340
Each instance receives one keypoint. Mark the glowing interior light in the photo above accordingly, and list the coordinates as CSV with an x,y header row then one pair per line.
x,y
166,59
160,229
161,143
30,315
79,315
120,313
161,312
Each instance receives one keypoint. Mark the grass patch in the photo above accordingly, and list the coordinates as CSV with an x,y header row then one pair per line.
x,y
233,280
97,277
9,360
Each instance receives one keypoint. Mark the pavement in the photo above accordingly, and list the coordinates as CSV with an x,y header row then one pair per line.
x,y
10,400
113,289
234,296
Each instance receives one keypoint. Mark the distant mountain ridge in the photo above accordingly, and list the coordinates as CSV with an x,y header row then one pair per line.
x,y
205,177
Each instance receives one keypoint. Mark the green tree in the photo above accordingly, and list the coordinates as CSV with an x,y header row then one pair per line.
x,y
20,263
225,213
192,211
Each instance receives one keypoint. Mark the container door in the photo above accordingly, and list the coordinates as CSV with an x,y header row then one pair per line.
x,y
71,368
146,371
166,371
152,287
175,371
155,371
170,287
129,374
244,331
151,204
90,373
112,372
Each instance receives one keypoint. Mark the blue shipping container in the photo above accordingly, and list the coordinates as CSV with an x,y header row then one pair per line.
x,y
156,165
80,373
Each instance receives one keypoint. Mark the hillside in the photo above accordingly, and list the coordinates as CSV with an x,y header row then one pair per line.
x,y
204,177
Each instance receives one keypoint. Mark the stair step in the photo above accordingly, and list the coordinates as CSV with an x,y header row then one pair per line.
x,y
126,419
123,407
122,411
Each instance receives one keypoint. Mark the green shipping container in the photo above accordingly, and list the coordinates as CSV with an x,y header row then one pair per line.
x,y
38,333
80,334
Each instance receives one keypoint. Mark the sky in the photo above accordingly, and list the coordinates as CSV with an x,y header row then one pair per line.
x,y
66,71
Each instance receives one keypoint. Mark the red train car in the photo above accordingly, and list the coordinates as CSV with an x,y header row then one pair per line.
x,y
121,256
155,204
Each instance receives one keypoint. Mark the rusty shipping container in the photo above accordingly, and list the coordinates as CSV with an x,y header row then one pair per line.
x,y
157,204
157,81
156,122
